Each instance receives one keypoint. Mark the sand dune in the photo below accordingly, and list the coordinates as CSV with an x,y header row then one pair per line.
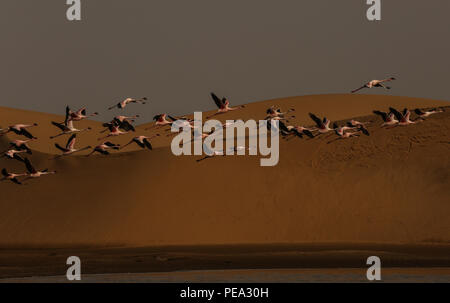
x,y
391,187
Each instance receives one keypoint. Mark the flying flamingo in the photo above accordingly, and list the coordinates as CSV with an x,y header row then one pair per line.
x,y
67,128
181,124
388,118
274,113
343,133
126,118
223,105
323,126
375,83
103,148
14,154
403,117
33,173
279,118
355,123
122,122
10,176
70,147
162,121
230,123
141,141
21,145
78,115
19,129
127,101
113,131
299,131
423,113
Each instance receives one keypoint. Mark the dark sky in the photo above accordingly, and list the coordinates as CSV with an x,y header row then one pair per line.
x,y
176,52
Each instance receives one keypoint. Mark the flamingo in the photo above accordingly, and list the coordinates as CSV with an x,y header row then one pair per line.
x,y
127,101
125,122
67,128
403,117
21,145
142,141
274,113
279,118
299,131
122,122
343,133
323,126
426,113
162,121
70,147
103,148
10,176
179,124
375,83
113,131
33,173
19,129
184,122
230,123
14,154
78,115
223,105
388,118
355,123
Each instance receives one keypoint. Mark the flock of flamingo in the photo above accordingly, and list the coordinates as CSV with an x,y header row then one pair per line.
x,y
121,125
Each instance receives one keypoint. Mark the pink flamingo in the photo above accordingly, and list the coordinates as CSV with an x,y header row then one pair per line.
x,y
426,113
403,118
375,83
388,118
127,101
14,154
299,131
78,115
11,177
21,145
33,173
67,128
323,126
141,141
20,129
103,148
114,132
161,120
70,147
223,105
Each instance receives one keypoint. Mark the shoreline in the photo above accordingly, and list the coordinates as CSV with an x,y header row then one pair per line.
x,y
285,275
19,263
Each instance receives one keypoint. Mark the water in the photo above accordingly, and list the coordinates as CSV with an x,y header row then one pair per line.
x,y
390,275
